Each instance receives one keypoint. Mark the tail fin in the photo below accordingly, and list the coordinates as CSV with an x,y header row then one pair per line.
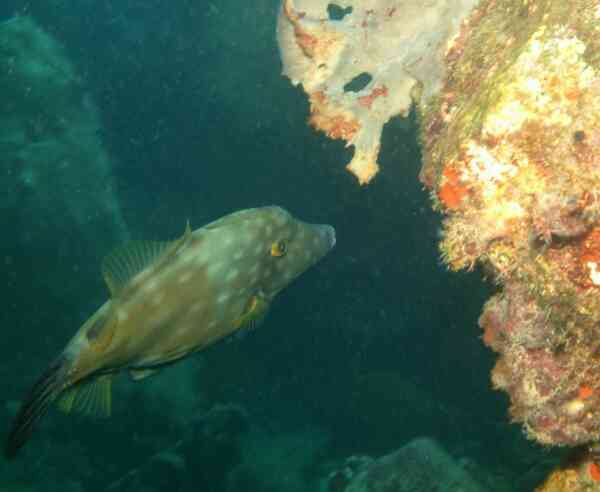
x,y
43,393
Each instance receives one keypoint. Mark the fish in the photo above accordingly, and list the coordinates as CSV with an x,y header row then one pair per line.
x,y
169,300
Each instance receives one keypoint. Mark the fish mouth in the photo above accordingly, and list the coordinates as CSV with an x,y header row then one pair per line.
x,y
320,240
330,234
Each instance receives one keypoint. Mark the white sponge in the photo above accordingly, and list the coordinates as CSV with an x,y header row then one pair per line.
x,y
398,46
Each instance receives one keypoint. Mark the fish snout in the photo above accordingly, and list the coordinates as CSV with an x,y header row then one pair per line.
x,y
324,239
329,232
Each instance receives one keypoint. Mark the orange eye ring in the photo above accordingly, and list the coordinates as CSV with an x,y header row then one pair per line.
x,y
279,248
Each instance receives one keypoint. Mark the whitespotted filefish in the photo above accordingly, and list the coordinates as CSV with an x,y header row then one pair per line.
x,y
171,299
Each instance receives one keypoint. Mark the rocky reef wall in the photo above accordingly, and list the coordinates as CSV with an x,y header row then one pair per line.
x,y
509,138
510,156
59,204
57,175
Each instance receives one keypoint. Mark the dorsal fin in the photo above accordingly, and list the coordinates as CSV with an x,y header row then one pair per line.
x,y
126,261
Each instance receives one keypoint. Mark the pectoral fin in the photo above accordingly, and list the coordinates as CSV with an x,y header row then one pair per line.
x,y
255,312
91,397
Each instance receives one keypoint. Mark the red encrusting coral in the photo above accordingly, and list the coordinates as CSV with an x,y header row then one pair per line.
x,y
594,471
334,122
452,191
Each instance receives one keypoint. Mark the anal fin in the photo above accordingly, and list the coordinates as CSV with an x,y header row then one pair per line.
x,y
90,397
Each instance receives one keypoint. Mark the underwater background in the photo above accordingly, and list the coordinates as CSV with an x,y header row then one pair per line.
x,y
149,113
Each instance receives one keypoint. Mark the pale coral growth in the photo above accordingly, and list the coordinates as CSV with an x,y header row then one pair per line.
x,y
594,273
487,169
399,47
559,214
550,93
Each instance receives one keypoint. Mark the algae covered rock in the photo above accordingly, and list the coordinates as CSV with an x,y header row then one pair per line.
x,y
210,443
56,175
420,465
510,154
272,462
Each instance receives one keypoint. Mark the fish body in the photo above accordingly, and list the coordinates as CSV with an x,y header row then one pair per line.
x,y
169,300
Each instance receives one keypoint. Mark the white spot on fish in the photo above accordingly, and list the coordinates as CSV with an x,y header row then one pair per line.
x,y
216,268
228,240
158,298
212,324
281,219
232,275
196,307
122,315
189,256
182,329
223,298
151,285
184,277
200,259
246,237
238,255
269,229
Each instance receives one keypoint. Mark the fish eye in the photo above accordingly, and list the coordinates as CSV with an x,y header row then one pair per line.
x,y
279,248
